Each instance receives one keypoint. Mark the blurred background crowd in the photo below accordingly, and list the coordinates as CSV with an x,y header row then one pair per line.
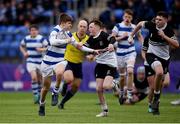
x,y
17,15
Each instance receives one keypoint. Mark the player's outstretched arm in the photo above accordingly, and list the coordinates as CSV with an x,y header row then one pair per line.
x,y
140,37
56,42
137,28
82,47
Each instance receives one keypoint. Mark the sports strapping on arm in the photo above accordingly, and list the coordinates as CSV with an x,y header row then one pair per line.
x,y
137,28
56,42
76,44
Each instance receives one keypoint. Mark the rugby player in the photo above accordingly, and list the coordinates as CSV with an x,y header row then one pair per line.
x,y
161,39
54,62
32,48
106,61
126,53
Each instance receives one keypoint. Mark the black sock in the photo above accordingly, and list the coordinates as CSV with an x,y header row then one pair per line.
x,y
68,95
105,110
156,95
64,88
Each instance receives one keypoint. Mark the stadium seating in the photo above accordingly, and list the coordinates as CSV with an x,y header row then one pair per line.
x,y
11,36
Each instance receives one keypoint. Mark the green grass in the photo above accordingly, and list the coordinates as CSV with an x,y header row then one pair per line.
x,y
18,107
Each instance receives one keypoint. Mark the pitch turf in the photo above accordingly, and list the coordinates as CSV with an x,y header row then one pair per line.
x,y
18,107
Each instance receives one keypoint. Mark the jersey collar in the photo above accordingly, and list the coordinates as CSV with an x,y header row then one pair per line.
x,y
97,35
160,29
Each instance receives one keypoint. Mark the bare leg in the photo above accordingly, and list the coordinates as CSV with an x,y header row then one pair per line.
x,y
59,73
108,85
45,88
166,81
99,89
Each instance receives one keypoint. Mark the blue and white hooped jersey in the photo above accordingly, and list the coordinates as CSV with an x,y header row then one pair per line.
x,y
123,47
31,44
55,54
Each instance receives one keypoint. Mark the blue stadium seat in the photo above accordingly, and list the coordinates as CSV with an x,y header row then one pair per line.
x,y
4,46
22,30
19,37
3,29
44,29
8,37
11,29
13,50
1,38
72,13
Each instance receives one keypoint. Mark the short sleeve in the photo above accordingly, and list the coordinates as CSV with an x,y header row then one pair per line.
x,y
115,29
53,35
23,42
148,25
45,42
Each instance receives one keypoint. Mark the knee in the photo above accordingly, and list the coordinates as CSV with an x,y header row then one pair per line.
x,y
99,89
165,84
68,79
106,87
45,88
68,76
34,79
130,71
122,77
59,74
159,73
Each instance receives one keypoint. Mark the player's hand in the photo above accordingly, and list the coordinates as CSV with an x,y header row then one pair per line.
x,y
79,45
161,33
110,47
26,55
96,52
39,49
130,40
69,40
90,57
125,34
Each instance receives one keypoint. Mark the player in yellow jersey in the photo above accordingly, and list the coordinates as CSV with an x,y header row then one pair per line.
x,y
75,57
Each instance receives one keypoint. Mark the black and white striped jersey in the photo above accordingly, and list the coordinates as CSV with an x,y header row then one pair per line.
x,y
157,45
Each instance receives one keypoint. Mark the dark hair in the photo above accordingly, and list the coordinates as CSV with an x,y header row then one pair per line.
x,y
163,14
64,18
33,26
97,22
129,12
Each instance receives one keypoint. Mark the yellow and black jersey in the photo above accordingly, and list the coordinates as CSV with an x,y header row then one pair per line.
x,y
74,55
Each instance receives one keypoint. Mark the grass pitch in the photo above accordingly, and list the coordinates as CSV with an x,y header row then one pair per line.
x,y
18,107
